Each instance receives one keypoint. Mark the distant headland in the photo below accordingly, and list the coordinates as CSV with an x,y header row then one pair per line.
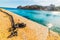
x,y
51,7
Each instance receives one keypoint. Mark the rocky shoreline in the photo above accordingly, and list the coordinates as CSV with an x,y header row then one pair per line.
x,y
32,7
39,7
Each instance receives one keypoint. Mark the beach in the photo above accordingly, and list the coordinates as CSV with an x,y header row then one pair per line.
x,y
32,31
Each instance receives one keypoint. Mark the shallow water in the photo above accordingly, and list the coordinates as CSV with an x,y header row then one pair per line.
x,y
46,18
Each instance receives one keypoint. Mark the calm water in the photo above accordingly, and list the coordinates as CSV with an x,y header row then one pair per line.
x,y
45,18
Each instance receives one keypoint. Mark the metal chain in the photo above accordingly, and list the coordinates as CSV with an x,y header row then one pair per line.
x,y
14,26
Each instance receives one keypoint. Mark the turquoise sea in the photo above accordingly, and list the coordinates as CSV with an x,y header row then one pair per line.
x,y
46,18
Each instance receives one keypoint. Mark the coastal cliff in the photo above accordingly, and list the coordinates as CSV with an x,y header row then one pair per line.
x,y
39,7
32,7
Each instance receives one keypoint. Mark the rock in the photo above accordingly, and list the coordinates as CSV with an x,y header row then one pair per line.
x,y
32,7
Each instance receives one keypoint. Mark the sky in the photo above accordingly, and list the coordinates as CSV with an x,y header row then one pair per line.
x,y
15,3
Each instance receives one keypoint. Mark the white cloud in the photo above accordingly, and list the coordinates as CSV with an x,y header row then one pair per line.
x,y
47,2
14,3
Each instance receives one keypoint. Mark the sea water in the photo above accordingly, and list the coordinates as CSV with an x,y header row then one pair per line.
x,y
46,18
